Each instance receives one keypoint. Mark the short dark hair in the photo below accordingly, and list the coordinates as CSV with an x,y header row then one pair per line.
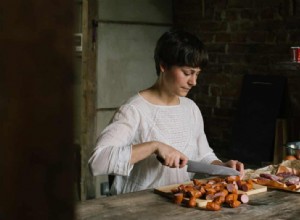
x,y
181,48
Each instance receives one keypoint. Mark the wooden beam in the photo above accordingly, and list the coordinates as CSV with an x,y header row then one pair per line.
x,y
89,85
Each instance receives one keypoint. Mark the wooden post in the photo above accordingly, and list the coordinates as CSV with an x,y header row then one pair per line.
x,y
88,112
280,140
36,110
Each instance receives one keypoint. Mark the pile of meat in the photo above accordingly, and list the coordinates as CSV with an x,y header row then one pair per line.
x,y
218,192
285,178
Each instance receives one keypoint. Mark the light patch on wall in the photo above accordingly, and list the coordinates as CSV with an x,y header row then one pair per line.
x,y
125,63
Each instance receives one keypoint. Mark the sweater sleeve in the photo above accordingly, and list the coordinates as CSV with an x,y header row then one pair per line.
x,y
113,148
205,152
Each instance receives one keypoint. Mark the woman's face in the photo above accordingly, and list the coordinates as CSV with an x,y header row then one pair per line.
x,y
178,80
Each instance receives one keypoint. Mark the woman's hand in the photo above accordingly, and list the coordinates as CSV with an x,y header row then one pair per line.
x,y
171,157
235,164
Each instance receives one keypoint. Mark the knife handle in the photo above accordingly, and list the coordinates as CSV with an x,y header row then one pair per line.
x,y
160,159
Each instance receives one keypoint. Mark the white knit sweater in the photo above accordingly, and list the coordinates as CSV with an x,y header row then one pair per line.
x,y
138,121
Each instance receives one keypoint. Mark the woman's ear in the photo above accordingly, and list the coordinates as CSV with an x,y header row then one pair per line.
x,y
162,68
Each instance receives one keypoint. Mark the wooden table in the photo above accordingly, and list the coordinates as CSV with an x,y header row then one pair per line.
x,y
273,204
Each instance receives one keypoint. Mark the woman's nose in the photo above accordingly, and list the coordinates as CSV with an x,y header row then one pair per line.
x,y
193,80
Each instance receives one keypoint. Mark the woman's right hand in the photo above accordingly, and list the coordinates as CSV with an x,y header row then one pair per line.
x,y
170,156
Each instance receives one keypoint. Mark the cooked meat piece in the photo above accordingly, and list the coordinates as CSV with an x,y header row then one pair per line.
x,y
291,180
270,176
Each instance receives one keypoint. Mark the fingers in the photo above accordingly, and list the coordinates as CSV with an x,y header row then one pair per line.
x,y
183,161
172,161
170,156
177,160
237,165
240,167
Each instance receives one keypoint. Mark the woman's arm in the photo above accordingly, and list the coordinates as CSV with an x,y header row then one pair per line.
x,y
115,154
113,148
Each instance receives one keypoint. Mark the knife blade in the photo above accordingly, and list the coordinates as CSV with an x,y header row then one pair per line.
x,y
211,169
204,168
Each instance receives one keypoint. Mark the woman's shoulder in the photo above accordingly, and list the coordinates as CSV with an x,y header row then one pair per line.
x,y
135,101
128,108
187,101
191,106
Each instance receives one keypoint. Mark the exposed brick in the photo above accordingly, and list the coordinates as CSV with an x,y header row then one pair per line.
x,y
257,48
186,6
206,37
281,37
255,59
219,15
235,48
217,79
259,69
223,112
213,58
229,103
206,111
242,37
296,10
213,69
288,67
272,25
213,127
295,37
214,90
231,58
200,88
247,25
209,14
232,14
213,26
231,91
215,3
189,18
223,37
216,47
258,36
233,27
267,13
247,14
235,69
266,49
239,37
277,58
205,100
268,3
240,4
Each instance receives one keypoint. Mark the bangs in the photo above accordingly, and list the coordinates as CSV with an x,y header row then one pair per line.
x,y
185,56
192,57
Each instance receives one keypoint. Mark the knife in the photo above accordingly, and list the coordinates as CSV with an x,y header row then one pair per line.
x,y
204,168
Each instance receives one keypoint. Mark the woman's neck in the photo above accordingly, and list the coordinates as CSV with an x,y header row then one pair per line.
x,y
158,96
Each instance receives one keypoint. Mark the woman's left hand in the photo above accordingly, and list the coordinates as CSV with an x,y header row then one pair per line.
x,y
235,164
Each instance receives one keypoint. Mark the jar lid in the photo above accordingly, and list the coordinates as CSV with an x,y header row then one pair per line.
x,y
293,145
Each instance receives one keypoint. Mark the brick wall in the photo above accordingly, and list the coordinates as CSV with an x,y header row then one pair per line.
x,y
242,37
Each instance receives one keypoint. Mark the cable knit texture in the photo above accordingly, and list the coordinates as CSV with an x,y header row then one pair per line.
x,y
138,121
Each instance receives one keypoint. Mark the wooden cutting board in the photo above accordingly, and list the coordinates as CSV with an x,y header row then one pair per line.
x,y
166,191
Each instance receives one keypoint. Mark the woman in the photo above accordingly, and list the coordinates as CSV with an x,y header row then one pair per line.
x,y
159,121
